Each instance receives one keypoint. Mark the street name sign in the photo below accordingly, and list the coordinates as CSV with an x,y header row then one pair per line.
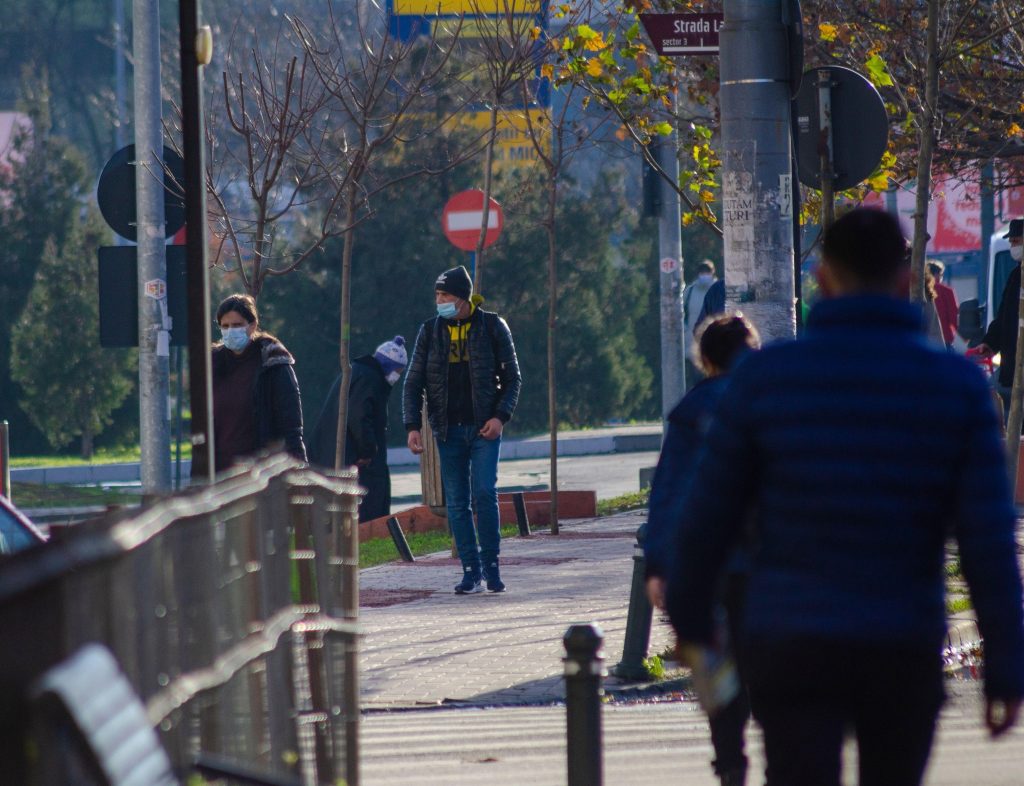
x,y
683,34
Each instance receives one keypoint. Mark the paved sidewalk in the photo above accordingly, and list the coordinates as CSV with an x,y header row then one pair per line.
x,y
426,646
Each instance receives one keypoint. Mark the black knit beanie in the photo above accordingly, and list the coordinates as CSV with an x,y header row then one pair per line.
x,y
455,282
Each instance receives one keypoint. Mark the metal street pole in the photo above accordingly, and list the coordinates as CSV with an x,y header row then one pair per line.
x,y
154,338
670,255
757,178
197,271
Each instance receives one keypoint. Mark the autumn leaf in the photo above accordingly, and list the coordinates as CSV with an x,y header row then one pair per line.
x,y
663,128
595,44
827,32
705,196
687,219
534,33
594,67
1015,130
547,70
879,181
621,133
878,73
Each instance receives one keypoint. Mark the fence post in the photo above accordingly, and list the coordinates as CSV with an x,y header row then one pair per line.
x,y
583,671
638,619
522,518
395,528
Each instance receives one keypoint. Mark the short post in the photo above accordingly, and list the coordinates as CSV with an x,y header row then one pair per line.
x,y
638,618
522,518
5,461
400,542
583,670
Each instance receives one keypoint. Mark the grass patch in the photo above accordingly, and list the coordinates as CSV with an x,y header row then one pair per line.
x,y
958,604
125,455
953,569
634,500
378,551
655,667
34,495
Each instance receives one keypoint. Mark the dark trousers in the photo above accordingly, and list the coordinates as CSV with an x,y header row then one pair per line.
x,y
377,502
806,693
729,724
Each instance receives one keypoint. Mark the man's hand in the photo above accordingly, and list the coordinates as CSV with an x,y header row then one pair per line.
x,y
492,429
656,591
415,442
982,350
1000,715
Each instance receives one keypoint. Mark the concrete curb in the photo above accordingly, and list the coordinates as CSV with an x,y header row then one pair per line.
x,y
533,447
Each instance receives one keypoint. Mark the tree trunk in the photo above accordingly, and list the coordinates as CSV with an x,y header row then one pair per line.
x,y
344,355
552,325
478,276
87,446
926,138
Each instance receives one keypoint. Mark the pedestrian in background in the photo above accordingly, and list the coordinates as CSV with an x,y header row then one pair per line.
x,y
256,401
1001,336
714,302
945,302
829,442
693,301
373,377
464,362
721,341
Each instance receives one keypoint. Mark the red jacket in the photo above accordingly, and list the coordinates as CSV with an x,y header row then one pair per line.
x,y
948,310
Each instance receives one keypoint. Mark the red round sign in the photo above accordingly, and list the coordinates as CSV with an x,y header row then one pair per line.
x,y
463,217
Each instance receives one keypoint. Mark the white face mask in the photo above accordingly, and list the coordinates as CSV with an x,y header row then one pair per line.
x,y
393,377
705,278
1017,252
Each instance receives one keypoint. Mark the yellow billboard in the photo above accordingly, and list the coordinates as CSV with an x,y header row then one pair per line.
x,y
513,149
468,8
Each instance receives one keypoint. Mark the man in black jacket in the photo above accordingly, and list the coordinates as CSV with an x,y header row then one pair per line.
x,y
1001,335
373,376
465,363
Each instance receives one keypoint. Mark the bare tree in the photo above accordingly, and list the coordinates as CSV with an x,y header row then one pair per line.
x,y
382,91
505,44
556,137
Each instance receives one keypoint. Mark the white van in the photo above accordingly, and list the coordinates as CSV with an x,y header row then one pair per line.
x,y
1000,264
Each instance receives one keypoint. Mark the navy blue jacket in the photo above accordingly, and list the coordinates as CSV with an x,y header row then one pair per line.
x,y
859,449
688,425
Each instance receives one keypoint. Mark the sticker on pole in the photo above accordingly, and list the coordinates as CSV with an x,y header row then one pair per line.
x,y
463,217
156,289
668,265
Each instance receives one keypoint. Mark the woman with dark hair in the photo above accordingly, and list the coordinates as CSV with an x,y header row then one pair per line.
x,y
256,402
720,341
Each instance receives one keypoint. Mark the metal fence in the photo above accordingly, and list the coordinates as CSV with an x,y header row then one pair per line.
x,y
231,610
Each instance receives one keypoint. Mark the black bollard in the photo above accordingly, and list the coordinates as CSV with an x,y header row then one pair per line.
x,y
583,671
519,502
638,619
400,542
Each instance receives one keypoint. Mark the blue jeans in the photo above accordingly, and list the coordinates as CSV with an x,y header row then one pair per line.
x,y
469,471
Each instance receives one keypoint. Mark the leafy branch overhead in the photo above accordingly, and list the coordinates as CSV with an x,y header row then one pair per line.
x,y
621,74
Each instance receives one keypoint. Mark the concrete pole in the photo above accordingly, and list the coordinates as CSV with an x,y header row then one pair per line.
x,y
670,278
757,180
198,272
154,324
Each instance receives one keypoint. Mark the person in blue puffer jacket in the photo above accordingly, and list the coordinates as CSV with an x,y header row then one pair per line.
x,y
830,444
720,342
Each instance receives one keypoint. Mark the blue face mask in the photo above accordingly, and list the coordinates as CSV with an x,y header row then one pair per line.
x,y
447,310
236,338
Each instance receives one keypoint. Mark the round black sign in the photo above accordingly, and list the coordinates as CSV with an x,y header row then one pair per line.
x,y
115,192
860,128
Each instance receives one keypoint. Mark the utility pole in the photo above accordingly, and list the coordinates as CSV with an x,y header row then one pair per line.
x,y
757,177
670,255
154,324
196,48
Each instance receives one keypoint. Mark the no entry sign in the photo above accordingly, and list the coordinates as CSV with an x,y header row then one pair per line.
x,y
463,217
